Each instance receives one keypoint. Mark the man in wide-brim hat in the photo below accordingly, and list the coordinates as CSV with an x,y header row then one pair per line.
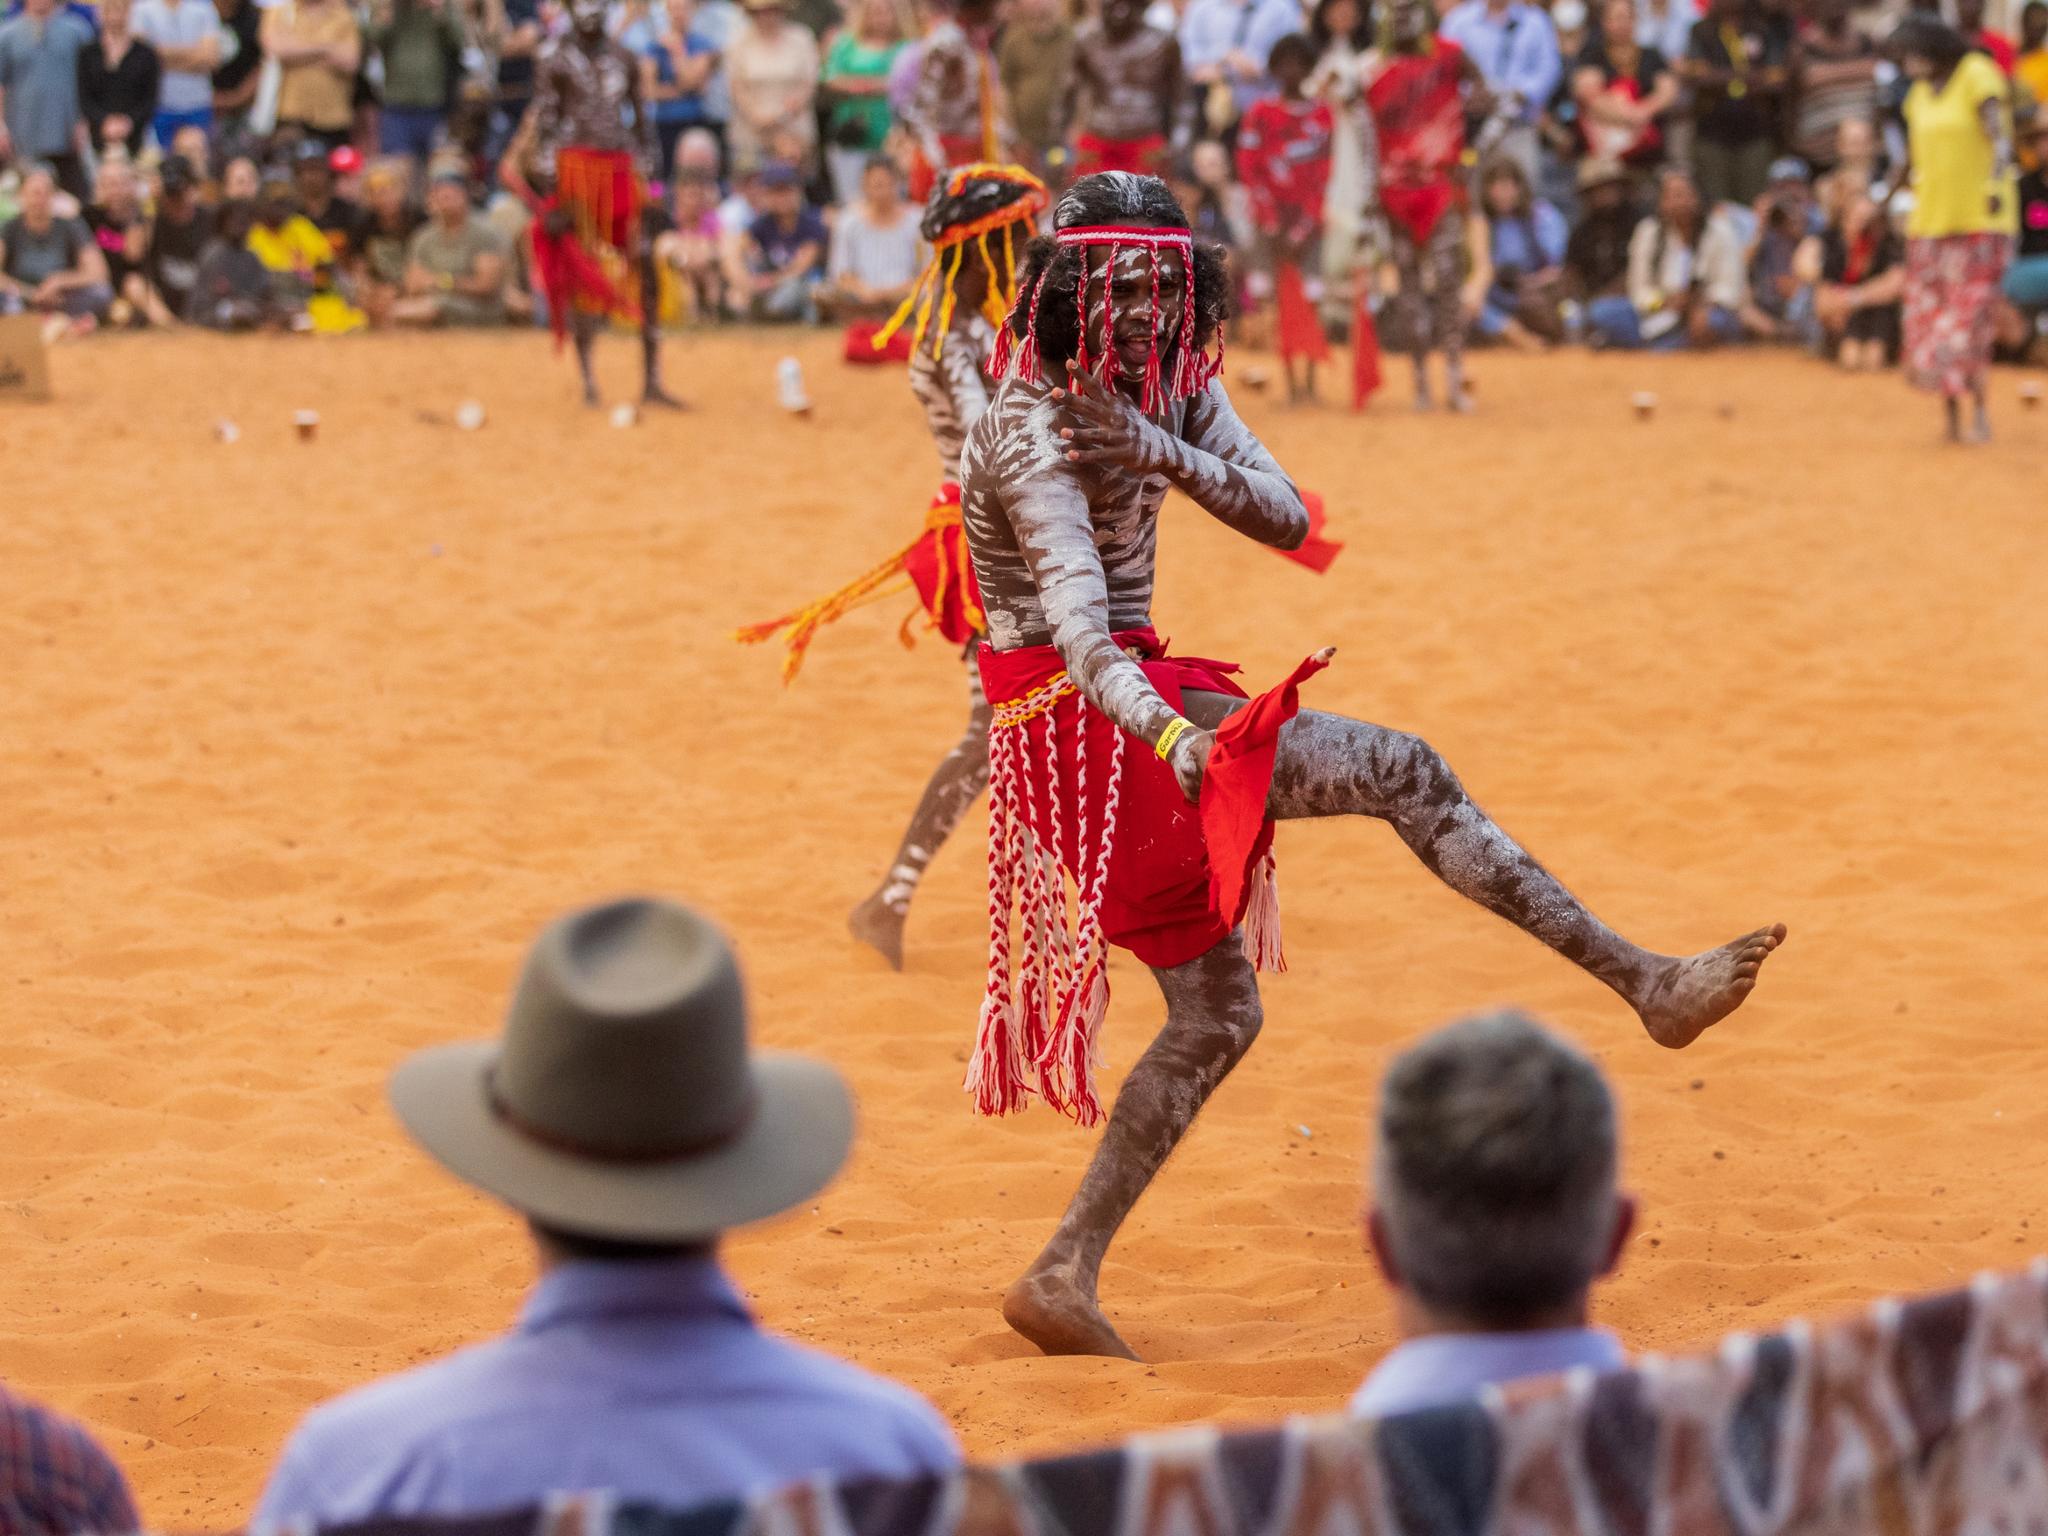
x,y
623,1115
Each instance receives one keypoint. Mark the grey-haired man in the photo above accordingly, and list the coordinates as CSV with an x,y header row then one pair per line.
x,y
1494,1209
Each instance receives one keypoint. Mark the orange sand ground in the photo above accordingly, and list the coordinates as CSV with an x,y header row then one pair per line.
x,y
299,744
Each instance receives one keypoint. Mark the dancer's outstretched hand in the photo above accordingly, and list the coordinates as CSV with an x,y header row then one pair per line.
x,y
1101,427
1189,760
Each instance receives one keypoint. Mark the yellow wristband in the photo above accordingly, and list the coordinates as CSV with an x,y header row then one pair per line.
x,y
1178,728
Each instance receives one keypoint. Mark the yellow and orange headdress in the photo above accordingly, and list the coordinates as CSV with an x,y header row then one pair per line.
x,y
978,205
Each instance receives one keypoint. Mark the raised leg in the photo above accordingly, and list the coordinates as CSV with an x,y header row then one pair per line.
x,y
1332,766
955,785
1212,1017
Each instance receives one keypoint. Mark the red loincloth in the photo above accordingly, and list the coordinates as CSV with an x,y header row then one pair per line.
x,y
587,266
1141,157
1301,328
1072,795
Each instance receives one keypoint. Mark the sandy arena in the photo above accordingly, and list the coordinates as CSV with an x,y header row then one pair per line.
x,y
302,742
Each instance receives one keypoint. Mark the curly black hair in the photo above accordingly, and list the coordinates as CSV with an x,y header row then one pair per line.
x,y
1111,197
978,198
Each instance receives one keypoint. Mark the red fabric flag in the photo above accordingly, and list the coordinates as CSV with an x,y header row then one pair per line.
x,y
1301,329
1316,552
1234,823
1365,350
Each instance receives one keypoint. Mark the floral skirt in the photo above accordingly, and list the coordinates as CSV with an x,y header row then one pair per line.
x,y
1951,294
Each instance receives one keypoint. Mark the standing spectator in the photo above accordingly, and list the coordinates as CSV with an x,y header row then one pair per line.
x,y
1965,213
55,1478
876,252
40,48
1126,92
681,60
785,250
1985,40
516,38
455,268
1417,97
1515,47
186,36
1834,79
389,223
691,248
118,81
1861,276
318,48
773,70
856,81
1666,25
420,48
233,291
240,70
2030,69
1036,62
1526,240
1223,47
2026,281
1342,33
1283,159
1596,256
1623,91
339,219
179,233
120,228
635,1366
1685,278
1494,1211
1738,73
720,21
51,265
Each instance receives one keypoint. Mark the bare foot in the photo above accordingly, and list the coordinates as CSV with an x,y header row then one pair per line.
x,y
1692,995
1050,1310
654,395
1461,400
880,927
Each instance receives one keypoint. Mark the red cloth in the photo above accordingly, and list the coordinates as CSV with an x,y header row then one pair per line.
x,y
2000,47
1159,902
1365,351
860,344
939,567
1316,552
1141,157
1301,328
1235,827
959,149
600,192
1420,115
1283,159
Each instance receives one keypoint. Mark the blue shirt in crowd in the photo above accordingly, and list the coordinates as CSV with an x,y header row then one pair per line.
x,y
648,1379
1444,1368
1213,28
1515,51
1525,245
39,79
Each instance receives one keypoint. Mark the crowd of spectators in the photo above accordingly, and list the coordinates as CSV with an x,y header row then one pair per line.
x,y
1634,173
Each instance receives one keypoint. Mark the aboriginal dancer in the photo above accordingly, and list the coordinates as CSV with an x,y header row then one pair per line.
x,y
1134,792
977,224
577,161
1125,98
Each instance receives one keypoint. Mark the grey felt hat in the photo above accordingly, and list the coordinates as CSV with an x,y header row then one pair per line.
x,y
622,1101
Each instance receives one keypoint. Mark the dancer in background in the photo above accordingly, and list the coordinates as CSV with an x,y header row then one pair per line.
x,y
1126,94
1142,776
977,224
1283,159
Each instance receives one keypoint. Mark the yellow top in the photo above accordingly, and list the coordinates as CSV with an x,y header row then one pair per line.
x,y
295,246
1953,186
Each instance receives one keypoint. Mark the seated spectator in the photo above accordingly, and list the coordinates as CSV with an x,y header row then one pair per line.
x,y
2026,280
1834,70
176,239
232,290
1780,304
785,250
697,150
192,146
1859,284
118,82
1526,241
299,259
690,250
119,226
55,1479
455,268
1622,91
240,181
1596,256
876,253
1494,1209
1859,156
389,222
51,265
325,209
1685,280
624,1117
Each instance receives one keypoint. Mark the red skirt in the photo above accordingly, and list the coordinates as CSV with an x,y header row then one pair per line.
x,y
1141,157
586,266
1072,797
